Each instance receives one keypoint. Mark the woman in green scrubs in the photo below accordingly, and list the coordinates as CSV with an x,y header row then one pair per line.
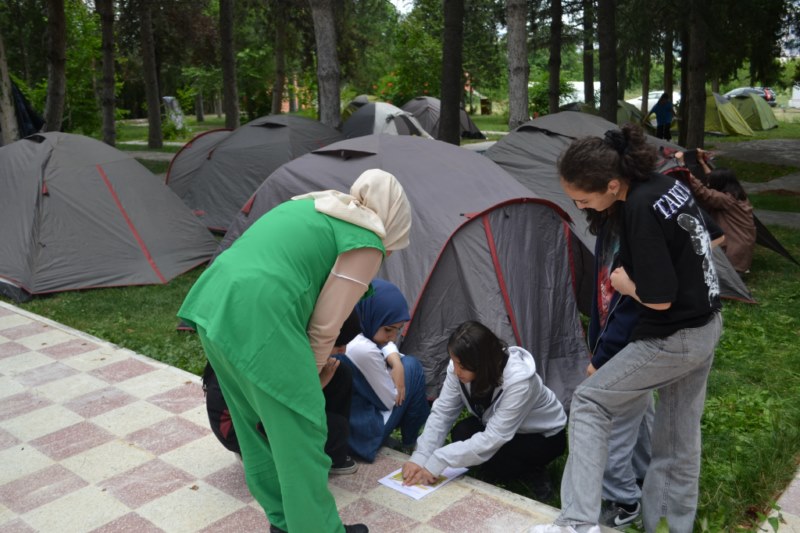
x,y
268,311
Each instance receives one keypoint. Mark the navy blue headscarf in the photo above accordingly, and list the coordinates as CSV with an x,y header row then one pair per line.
x,y
386,306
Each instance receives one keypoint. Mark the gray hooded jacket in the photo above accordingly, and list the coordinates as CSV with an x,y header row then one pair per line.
x,y
521,404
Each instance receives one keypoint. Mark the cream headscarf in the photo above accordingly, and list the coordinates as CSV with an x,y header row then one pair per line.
x,y
376,202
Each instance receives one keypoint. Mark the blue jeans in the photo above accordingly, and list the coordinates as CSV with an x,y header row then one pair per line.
x,y
414,411
677,367
629,451
367,430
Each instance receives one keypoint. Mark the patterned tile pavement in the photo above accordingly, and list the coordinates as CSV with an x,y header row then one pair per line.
x,y
96,438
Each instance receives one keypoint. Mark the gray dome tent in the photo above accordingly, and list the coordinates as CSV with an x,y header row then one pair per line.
x,y
482,247
188,160
380,117
76,213
530,154
427,109
234,167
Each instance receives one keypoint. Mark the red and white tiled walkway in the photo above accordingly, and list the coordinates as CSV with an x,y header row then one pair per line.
x,y
96,438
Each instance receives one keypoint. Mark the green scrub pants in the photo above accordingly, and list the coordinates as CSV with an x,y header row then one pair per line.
x,y
287,472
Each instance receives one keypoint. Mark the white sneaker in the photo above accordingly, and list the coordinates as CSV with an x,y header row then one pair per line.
x,y
552,528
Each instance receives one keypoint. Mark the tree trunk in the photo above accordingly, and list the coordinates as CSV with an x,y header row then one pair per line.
x,y
645,86
199,112
518,67
452,78
685,50
694,112
669,63
15,13
280,62
151,80
588,52
105,8
327,62
56,65
607,42
293,94
230,95
622,79
8,118
554,63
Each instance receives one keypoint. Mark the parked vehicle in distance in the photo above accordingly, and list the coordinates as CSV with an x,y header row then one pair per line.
x,y
764,92
652,98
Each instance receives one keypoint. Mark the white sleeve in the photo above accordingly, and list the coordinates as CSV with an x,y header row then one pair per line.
x,y
513,407
366,355
444,413
389,348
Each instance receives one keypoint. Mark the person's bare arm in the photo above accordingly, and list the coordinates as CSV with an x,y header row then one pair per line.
x,y
346,284
623,284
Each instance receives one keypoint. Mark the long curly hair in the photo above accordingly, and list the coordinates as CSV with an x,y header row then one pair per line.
x,y
590,163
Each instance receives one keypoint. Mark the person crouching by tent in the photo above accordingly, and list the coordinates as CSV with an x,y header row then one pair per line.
x,y
337,392
388,387
268,310
723,196
516,425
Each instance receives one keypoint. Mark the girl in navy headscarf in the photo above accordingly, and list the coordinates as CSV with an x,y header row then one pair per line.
x,y
388,387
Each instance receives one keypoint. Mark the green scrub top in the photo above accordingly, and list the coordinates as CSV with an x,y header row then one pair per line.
x,y
255,300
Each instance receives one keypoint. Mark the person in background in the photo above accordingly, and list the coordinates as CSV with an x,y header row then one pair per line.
x,y
268,311
666,266
665,112
516,425
721,194
388,387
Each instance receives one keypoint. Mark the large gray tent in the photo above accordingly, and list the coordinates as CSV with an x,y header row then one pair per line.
x,y
530,153
234,167
76,213
427,110
482,247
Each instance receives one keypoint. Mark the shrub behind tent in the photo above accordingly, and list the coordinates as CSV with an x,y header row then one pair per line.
x,y
76,213
236,165
482,247
530,154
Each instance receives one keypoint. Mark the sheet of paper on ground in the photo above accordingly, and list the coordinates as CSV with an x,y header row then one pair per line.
x,y
395,481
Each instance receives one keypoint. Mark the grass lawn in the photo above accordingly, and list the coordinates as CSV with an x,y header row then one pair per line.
x,y
751,426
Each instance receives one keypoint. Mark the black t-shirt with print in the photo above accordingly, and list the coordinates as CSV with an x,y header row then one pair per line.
x,y
666,250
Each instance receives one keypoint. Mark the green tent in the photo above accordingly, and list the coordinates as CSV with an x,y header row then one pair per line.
x,y
627,112
723,118
755,111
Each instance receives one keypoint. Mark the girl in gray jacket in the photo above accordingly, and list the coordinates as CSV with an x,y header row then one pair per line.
x,y
516,424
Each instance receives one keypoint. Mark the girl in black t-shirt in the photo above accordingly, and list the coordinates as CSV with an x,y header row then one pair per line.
x,y
666,267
